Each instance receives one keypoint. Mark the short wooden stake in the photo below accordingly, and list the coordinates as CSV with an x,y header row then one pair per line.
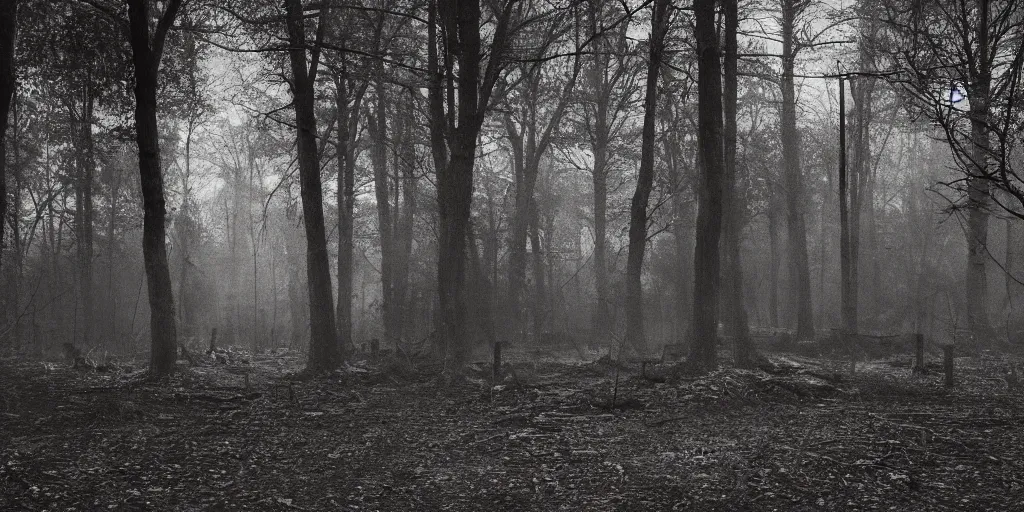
x,y
919,348
496,370
947,354
374,348
213,339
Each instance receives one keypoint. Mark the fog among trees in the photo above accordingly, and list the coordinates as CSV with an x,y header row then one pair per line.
x,y
509,255
445,175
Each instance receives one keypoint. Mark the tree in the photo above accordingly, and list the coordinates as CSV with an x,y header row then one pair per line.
x,y
645,181
530,133
348,96
608,94
972,45
147,50
706,253
733,208
8,35
461,84
800,273
324,350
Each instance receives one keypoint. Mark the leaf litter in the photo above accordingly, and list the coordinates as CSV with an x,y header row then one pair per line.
x,y
245,434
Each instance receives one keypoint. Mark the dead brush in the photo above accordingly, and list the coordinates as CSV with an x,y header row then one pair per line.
x,y
891,386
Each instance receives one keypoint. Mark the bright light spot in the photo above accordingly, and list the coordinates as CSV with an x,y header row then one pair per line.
x,y
955,96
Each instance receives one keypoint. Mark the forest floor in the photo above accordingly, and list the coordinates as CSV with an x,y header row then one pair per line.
x,y
799,434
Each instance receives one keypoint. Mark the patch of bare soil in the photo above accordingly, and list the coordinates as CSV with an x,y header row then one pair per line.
x,y
797,434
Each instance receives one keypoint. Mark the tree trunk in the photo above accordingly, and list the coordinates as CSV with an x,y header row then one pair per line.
x,y
84,211
348,131
146,54
635,338
1014,277
455,193
8,31
407,153
979,187
18,271
385,222
324,349
114,185
603,88
524,185
847,257
454,155
732,205
774,261
706,254
602,314
540,324
482,305
529,143
297,308
800,274
860,193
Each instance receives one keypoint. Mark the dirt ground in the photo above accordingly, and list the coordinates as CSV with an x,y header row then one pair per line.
x,y
798,434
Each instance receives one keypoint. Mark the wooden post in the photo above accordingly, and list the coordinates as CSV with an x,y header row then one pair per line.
x,y
497,361
947,354
919,353
213,340
374,349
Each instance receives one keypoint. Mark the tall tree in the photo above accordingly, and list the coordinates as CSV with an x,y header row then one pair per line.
x,y
304,60
733,207
609,90
382,185
8,35
530,133
800,274
461,84
858,196
348,95
972,45
147,50
645,180
979,187
709,217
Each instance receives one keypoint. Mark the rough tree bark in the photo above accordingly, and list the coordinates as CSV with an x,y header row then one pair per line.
x,y
862,89
539,305
86,165
324,349
348,104
453,143
734,209
796,229
146,53
706,254
979,185
635,338
378,128
406,154
848,293
8,34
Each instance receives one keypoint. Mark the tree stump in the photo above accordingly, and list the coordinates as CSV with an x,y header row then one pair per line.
x,y
947,354
919,353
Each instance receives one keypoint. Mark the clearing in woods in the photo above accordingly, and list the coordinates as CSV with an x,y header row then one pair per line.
x,y
793,435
